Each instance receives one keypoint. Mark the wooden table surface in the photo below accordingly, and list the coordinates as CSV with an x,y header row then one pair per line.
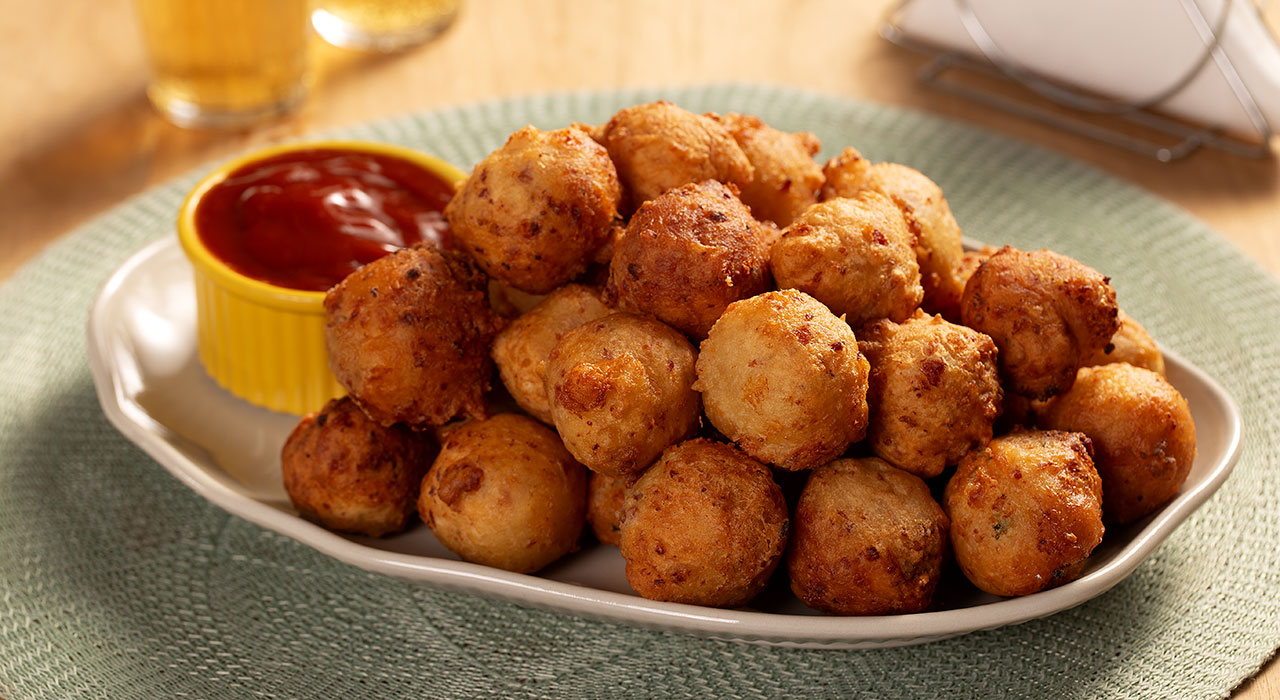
x,y
77,135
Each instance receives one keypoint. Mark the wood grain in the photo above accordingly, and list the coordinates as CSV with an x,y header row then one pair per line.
x,y
77,135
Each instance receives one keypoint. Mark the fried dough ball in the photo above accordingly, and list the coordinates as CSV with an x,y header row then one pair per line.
x,y
659,146
534,211
348,473
1144,438
705,525
1026,511
869,540
408,336
969,264
621,391
1047,312
1131,344
853,254
934,391
787,179
782,376
522,348
688,254
606,497
939,248
504,492
1017,408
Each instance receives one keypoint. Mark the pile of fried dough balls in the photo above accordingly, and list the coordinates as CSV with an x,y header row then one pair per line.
x,y
688,309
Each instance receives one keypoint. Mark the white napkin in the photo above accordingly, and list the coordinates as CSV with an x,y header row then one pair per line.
x,y
1129,50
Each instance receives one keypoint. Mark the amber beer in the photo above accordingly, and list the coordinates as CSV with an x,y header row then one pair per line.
x,y
225,62
382,25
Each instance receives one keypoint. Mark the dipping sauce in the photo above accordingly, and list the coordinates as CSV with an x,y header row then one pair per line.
x,y
306,219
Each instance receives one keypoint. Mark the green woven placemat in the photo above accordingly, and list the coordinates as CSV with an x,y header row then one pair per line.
x,y
117,582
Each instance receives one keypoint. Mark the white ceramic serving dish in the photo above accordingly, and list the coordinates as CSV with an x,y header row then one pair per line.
x,y
153,389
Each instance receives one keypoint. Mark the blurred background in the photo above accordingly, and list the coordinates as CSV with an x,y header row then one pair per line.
x,y
77,133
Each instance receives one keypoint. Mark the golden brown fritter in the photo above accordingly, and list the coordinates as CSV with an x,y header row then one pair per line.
x,y
969,264
522,348
1026,511
705,525
348,473
869,540
853,254
688,254
787,179
534,212
1144,439
782,376
408,336
1131,344
659,146
1047,313
621,391
934,391
504,492
606,497
938,238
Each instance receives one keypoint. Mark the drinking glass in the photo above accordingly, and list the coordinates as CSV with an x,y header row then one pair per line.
x,y
225,63
382,25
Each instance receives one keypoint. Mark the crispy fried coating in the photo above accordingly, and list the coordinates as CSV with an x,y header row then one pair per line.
x,y
606,498
504,492
869,540
934,391
348,473
969,264
1131,344
782,376
687,255
621,391
659,146
853,254
787,179
1017,411
705,525
1144,438
522,348
1046,312
939,249
534,212
1026,511
408,336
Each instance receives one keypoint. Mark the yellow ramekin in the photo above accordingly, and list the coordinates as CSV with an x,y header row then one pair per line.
x,y
262,342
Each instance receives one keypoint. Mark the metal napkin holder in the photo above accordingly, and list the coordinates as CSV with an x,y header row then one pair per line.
x,y
1187,137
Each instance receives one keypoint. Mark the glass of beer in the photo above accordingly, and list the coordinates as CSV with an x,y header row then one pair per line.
x,y
225,63
382,25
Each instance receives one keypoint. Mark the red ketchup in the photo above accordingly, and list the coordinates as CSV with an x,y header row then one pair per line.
x,y
306,219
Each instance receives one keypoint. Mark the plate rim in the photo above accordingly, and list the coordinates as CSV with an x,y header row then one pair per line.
x,y
737,625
